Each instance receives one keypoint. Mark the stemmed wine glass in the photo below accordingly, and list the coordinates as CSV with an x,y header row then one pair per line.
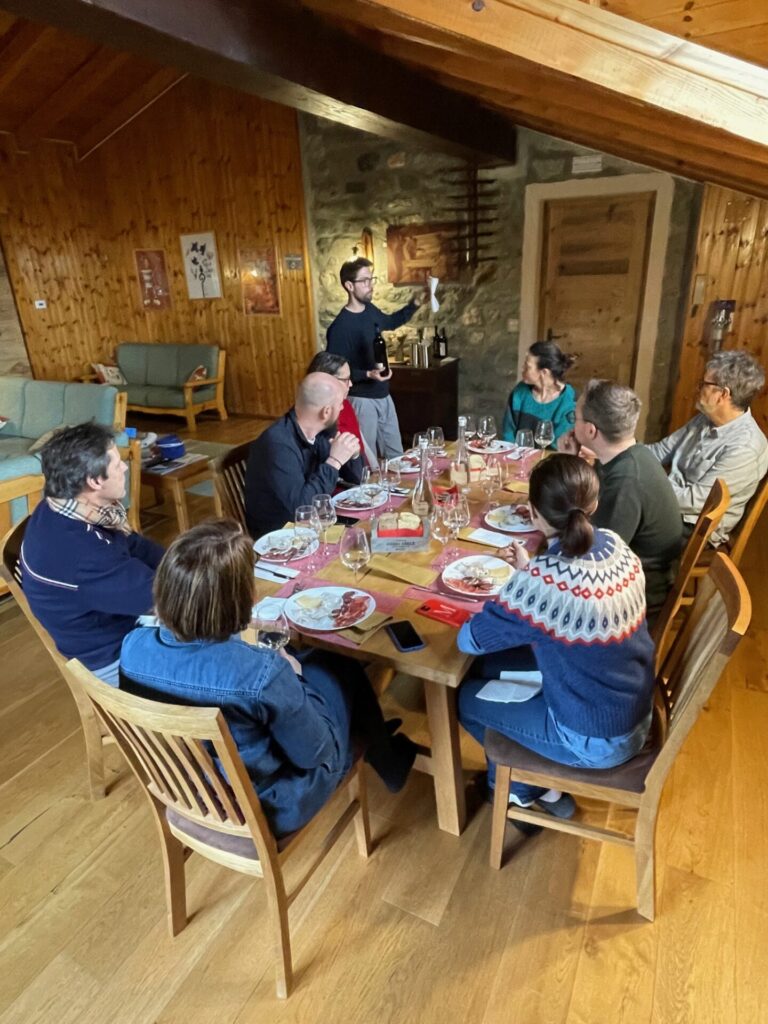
x,y
486,430
470,431
545,434
436,440
458,518
326,515
270,625
523,439
306,518
441,529
354,550
371,483
392,479
490,480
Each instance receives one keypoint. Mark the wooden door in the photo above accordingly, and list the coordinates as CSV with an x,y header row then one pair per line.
x,y
594,261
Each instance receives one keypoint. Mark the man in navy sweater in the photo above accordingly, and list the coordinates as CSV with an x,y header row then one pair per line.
x,y
86,574
351,335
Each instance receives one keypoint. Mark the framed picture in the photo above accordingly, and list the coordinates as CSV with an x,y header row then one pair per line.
x,y
258,280
154,291
201,265
416,251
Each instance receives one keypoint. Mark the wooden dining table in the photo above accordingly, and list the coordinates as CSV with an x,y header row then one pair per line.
x,y
439,665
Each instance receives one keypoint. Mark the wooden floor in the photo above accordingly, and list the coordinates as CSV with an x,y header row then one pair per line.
x,y
425,931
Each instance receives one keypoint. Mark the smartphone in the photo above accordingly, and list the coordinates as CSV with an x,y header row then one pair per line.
x,y
347,520
404,636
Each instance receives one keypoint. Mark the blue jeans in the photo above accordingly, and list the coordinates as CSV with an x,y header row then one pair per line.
x,y
532,725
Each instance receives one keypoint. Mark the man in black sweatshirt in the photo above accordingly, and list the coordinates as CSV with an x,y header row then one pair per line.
x,y
351,335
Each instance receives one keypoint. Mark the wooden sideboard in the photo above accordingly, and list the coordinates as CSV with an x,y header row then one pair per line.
x,y
426,397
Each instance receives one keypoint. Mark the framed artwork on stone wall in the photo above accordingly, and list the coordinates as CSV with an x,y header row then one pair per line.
x,y
154,291
201,265
258,280
417,251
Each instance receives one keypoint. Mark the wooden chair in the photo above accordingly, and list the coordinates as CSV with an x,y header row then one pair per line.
x,y
712,512
210,806
95,736
719,618
740,534
229,481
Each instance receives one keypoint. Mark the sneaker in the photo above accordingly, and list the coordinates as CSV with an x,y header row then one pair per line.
x,y
559,805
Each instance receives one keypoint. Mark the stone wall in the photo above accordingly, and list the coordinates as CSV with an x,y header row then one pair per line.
x,y
355,181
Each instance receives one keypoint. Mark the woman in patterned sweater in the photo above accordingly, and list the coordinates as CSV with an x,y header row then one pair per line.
x,y
577,613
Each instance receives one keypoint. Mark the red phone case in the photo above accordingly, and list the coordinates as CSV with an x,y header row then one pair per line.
x,y
436,608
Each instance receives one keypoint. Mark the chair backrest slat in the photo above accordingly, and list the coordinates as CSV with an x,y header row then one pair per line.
x,y
742,531
203,794
211,777
709,519
229,480
719,618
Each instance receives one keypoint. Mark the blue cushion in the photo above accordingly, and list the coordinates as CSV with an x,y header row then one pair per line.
x,y
163,365
43,407
84,402
13,447
12,404
132,360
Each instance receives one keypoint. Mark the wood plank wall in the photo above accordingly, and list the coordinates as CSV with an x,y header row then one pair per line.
x,y
732,256
202,158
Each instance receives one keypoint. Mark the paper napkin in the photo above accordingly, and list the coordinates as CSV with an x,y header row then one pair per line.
x,y
363,630
385,565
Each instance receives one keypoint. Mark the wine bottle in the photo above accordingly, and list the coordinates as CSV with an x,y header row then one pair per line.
x,y
460,463
380,357
442,346
436,343
422,498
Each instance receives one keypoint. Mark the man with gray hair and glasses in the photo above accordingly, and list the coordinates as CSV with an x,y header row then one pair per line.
x,y
636,498
722,441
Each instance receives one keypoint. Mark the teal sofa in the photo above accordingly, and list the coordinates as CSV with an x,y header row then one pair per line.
x,y
33,407
156,376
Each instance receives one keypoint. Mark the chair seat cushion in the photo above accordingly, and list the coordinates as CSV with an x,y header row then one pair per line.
x,y
629,776
240,846
155,395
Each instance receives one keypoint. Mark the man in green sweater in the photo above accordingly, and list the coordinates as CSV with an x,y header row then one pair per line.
x,y
636,498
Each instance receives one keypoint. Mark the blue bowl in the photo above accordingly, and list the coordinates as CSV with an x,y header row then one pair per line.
x,y
171,447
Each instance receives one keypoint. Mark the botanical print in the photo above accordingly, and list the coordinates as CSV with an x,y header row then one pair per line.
x,y
201,265
258,279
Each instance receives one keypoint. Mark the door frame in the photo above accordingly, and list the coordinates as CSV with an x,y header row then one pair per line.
x,y
533,243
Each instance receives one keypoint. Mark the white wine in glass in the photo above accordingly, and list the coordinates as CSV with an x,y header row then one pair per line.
x,y
354,550
271,626
545,434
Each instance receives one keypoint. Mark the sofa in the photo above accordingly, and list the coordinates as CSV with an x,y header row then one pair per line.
x,y
32,409
157,379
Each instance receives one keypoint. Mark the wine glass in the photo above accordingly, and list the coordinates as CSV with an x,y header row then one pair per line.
x,y
545,434
458,517
306,518
354,550
418,437
436,440
486,430
523,440
326,515
392,478
371,483
470,431
441,529
270,625
490,480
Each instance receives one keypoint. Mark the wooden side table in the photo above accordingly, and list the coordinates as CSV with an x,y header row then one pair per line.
x,y
176,481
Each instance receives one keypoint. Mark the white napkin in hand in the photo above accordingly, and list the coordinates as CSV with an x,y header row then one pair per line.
x,y
433,282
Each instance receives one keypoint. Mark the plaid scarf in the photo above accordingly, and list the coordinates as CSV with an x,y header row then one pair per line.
x,y
111,517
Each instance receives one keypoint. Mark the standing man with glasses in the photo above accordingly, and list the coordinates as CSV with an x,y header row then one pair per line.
x,y
351,335
722,441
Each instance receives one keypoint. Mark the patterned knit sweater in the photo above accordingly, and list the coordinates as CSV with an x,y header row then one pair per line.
x,y
585,619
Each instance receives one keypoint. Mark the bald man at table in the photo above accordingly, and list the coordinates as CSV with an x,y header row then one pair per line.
x,y
300,456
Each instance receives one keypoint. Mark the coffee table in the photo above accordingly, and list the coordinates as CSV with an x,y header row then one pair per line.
x,y
176,481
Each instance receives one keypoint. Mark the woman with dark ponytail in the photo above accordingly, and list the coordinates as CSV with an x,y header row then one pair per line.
x,y
576,613
541,393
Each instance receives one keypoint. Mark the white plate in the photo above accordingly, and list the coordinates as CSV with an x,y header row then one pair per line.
x,y
305,543
405,466
477,567
312,609
355,501
505,518
496,447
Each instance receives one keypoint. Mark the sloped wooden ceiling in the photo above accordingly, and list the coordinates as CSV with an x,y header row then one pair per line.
x,y
63,87
581,72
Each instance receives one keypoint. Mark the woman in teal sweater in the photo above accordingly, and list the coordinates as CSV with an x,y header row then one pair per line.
x,y
541,394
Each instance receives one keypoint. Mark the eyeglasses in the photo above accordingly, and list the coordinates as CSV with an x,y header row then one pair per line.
x,y
710,384
344,380
365,280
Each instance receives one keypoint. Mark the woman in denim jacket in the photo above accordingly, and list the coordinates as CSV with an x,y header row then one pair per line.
x,y
293,722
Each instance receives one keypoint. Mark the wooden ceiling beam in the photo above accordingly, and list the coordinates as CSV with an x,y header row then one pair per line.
x,y
23,41
88,78
595,46
287,54
571,109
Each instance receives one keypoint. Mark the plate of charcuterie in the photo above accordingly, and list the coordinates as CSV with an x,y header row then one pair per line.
x,y
477,575
285,545
329,608
493,447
